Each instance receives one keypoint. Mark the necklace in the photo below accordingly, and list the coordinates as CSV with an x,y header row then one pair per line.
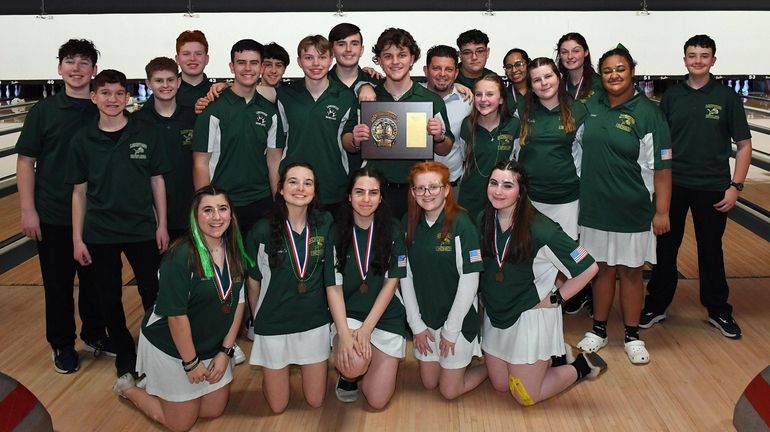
x,y
497,153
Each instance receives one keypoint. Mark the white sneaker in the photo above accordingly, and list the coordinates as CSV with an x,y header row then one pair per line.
x,y
346,391
239,356
123,383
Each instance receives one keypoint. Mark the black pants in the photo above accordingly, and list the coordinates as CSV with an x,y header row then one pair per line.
x,y
58,268
249,214
709,227
106,272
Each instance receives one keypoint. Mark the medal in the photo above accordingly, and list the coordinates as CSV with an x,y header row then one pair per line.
x,y
499,277
224,286
363,265
300,267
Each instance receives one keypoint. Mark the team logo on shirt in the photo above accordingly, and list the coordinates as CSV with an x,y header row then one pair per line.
x,y
138,150
444,243
331,112
186,136
712,111
504,142
318,249
261,118
625,122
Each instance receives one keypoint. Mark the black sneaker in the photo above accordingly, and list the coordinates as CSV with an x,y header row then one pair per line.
x,y
65,360
726,325
100,346
576,304
648,318
346,391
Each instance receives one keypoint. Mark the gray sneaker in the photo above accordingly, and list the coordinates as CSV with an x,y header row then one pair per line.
x,y
346,391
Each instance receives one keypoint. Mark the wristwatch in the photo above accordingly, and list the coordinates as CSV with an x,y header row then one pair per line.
x,y
738,186
230,352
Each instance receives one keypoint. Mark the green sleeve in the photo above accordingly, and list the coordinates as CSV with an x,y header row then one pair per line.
x,y
30,141
464,129
200,142
570,255
174,285
329,270
254,240
737,124
160,162
444,117
469,244
661,141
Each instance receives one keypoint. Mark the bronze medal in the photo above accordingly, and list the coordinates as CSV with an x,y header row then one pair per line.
x,y
364,287
499,276
302,287
226,308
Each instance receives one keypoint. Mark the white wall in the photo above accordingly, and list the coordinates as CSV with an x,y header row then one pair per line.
x,y
128,42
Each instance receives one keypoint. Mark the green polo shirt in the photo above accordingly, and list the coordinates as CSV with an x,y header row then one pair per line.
x,y
596,88
359,304
238,134
362,77
436,264
281,308
314,130
470,82
48,129
397,171
188,94
622,148
515,100
489,148
182,293
552,156
176,134
119,200
703,124
525,283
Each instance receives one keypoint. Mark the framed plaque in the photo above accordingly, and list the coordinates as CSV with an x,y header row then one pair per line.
x,y
399,130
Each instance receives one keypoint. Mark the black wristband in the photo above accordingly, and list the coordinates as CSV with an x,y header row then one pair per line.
x,y
230,352
557,299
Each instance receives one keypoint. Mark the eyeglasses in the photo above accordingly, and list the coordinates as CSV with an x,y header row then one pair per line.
x,y
478,52
521,64
429,190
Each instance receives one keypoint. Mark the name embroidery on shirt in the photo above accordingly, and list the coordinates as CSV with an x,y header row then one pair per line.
x,y
713,111
625,122
138,151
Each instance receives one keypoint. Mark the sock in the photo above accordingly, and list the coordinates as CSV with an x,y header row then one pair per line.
x,y
600,328
632,333
557,361
348,385
581,366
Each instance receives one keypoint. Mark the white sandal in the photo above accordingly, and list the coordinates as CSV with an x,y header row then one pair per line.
x,y
637,353
591,342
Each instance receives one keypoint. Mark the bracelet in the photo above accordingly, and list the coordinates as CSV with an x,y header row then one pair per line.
x,y
191,365
559,299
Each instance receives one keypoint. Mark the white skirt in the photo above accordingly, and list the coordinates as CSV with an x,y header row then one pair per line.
x,y
464,352
279,351
389,343
566,215
167,379
536,335
627,249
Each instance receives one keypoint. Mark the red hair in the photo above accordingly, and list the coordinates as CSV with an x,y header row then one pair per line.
x,y
415,211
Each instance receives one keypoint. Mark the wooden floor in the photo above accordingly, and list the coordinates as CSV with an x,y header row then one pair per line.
x,y
692,383
695,377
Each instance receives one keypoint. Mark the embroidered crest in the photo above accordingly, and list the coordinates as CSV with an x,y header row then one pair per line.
x,y
261,118
331,112
187,135
138,150
713,111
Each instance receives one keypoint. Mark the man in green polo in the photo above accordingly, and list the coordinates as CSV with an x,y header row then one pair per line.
x,y
236,141
118,206
46,206
705,117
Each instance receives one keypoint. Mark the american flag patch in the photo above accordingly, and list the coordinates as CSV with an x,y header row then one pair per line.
x,y
475,255
402,260
578,254
666,154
